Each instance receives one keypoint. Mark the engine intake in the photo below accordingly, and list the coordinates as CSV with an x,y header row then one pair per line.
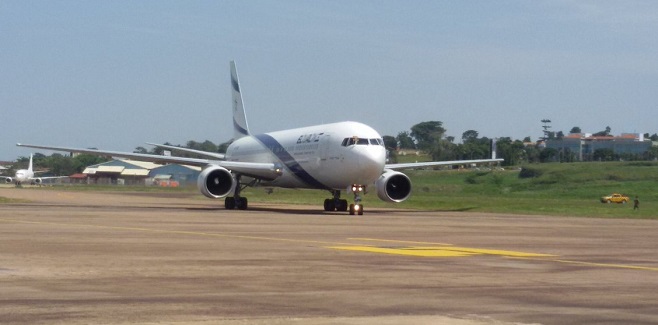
x,y
393,186
215,182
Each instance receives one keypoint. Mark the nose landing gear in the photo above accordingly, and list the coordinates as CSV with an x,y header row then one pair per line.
x,y
357,207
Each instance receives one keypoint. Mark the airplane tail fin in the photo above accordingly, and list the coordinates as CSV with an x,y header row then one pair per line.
x,y
240,126
29,167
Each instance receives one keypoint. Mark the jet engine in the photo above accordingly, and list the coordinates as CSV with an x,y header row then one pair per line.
x,y
393,186
9,180
37,180
216,182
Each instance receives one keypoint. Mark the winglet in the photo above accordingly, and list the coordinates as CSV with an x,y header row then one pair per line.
x,y
240,126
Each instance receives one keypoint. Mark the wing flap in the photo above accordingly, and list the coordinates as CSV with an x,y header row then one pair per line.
x,y
194,151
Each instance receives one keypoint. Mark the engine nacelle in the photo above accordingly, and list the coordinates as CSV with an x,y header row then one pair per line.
x,y
37,180
393,186
9,180
216,182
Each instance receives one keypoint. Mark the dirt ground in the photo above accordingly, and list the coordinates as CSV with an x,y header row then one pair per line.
x,y
129,258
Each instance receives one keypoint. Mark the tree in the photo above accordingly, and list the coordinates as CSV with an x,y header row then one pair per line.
x,y
559,135
548,155
405,141
575,129
140,150
603,133
81,161
427,134
224,146
512,151
390,143
469,136
604,154
391,146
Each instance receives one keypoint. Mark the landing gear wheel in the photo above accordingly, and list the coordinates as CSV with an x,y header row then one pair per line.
x,y
229,203
329,205
241,203
356,209
342,205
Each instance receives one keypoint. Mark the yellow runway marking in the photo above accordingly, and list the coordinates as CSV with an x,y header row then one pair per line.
x,y
400,241
424,252
439,251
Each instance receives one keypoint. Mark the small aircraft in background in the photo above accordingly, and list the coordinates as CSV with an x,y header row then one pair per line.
x,y
27,176
344,156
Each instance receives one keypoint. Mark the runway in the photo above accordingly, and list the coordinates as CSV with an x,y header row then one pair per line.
x,y
124,258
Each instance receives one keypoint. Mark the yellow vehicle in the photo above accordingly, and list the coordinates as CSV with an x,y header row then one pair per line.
x,y
615,198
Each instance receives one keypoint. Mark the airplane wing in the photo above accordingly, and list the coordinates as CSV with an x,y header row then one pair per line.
x,y
266,171
48,177
194,151
440,163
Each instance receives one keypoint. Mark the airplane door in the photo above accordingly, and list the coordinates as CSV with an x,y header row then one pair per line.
x,y
325,148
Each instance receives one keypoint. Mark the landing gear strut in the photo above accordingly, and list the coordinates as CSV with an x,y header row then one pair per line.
x,y
237,201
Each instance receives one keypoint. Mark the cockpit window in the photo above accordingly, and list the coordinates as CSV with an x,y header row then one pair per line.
x,y
362,142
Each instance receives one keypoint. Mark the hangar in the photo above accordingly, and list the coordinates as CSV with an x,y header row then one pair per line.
x,y
132,172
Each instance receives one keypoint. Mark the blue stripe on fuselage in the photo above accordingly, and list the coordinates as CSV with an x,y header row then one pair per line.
x,y
287,159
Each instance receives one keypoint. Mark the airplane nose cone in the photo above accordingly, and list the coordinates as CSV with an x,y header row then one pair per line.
x,y
371,163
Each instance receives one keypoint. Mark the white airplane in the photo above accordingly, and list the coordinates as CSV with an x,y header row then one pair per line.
x,y
27,175
336,157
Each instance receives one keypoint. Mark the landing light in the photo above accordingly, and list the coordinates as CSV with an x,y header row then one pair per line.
x,y
357,188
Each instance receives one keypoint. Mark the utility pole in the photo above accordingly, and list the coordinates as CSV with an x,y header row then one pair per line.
x,y
546,126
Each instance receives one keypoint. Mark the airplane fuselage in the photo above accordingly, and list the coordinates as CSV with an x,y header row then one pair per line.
x,y
329,156
23,175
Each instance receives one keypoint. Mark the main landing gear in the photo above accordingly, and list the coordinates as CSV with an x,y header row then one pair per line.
x,y
237,201
337,204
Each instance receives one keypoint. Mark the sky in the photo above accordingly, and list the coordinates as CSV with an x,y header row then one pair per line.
x,y
116,74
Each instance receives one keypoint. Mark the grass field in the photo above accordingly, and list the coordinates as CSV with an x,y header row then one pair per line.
x,y
569,189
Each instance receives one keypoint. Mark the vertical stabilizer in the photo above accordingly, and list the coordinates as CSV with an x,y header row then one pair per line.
x,y
29,167
240,126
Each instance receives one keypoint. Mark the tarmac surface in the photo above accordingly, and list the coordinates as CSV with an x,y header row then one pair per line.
x,y
125,258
